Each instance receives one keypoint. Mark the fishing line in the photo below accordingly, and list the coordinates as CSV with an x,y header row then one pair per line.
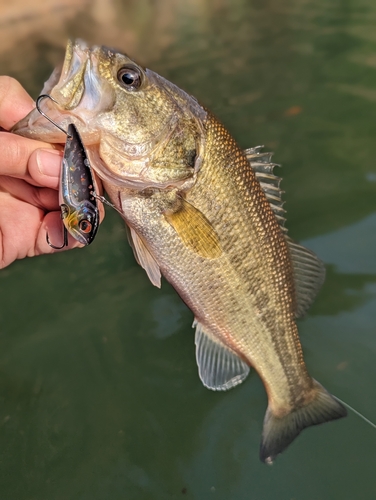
x,y
356,412
105,202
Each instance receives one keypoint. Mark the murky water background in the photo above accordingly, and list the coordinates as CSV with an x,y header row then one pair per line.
x,y
99,392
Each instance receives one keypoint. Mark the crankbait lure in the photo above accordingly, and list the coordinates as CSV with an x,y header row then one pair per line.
x,y
77,196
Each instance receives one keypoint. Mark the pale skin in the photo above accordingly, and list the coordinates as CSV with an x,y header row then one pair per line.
x,y
29,176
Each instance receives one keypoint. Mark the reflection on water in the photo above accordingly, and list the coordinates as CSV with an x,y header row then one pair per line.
x,y
351,249
100,397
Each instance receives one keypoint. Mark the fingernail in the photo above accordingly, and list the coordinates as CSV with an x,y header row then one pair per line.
x,y
49,162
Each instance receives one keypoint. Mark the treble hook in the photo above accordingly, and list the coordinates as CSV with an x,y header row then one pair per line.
x,y
37,105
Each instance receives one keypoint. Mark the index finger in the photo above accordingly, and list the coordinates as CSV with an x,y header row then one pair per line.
x,y
15,102
18,158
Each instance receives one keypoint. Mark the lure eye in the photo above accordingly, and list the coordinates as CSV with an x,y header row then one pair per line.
x,y
85,226
130,78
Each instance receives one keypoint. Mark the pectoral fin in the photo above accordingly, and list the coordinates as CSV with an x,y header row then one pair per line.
x,y
144,257
219,367
195,230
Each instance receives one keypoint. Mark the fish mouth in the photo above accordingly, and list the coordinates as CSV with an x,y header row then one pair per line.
x,y
83,92
79,93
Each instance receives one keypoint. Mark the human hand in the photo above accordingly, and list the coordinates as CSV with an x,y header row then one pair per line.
x,y
29,177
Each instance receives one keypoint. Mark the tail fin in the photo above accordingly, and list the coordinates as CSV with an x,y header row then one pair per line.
x,y
278,433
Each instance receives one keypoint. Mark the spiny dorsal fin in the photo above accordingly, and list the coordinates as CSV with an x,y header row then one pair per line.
x,y
144,257
309,275
309,271
219,367
263,168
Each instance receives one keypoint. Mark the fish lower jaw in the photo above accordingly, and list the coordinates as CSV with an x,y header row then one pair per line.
x,y
36,126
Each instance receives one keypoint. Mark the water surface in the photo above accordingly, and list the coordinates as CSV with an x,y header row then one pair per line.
x,y
99,392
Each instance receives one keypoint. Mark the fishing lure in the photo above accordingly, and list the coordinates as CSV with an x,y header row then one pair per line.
x,y
77,196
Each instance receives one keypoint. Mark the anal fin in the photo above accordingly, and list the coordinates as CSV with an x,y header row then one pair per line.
x,y
219,367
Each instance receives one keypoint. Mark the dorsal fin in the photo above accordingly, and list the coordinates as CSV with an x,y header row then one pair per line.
x,y
309,271
309,275
263,168
219,367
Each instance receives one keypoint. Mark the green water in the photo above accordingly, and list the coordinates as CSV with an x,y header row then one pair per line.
x,y
99,392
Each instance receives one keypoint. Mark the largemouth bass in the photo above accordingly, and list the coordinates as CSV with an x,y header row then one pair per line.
x,y
205,215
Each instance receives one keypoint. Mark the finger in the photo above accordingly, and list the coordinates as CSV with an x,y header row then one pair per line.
x,y
15,102
44,198
45,166
15,152
23,230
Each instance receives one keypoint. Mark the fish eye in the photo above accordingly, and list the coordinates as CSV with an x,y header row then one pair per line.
x,y
130,77
85,226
